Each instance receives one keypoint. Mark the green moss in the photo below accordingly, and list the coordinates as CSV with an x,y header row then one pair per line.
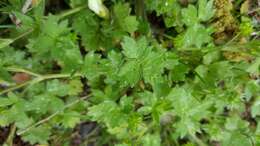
x,y
224,23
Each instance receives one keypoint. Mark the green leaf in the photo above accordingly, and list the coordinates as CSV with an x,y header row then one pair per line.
x,y
91,68
147,98
235,123
99,113
56,87
255,110
5,102
67,54
178,73
16,113
88,27
162,80
23,121
174,18
112,67
190,15
205,11
121,10
12,57
75,87
55,104
257,132
182,100
211,57
153,66
109,93
70,119
255,67
58,45
197,35
38,135
5,43
5,77
251,89
123,18
28,22
151,140
40,104
134,49
159,109
130,73
236,139
161,87
246,27
126,104
130,24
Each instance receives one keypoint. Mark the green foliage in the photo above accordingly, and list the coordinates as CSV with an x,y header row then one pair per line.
x,y
138,81
96,34
170,9
141,61
196,34
206,10
38,135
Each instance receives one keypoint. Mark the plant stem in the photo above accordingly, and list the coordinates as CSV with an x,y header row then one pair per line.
x,y
22,35
38,79
140,9
168,36
14,88
52,115
14,69
71,12
7,26
197,140
254,10
10,137
233,39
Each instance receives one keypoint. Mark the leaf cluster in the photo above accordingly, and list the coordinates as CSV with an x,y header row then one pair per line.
x,y
61,70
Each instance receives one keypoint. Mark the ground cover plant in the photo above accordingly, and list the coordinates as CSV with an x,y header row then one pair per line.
x,y
129,73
